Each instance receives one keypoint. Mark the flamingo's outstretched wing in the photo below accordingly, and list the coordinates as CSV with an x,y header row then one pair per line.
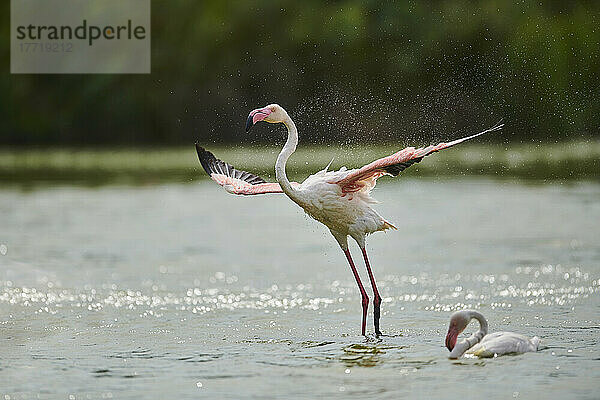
x,y
233,180
396,163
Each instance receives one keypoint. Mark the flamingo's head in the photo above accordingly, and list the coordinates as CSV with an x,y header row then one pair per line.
x,y
272,113
458,322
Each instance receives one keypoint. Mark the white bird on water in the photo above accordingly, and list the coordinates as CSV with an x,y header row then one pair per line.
x,y
481,344
339,199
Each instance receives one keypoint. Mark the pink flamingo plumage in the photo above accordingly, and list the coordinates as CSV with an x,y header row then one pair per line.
x,y
480,344
339,199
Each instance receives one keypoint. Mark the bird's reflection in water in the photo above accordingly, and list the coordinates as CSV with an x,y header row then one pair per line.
x,y
361,355
365,354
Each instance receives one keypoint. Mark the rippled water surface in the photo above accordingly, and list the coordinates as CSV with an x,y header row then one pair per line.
x,y
184,291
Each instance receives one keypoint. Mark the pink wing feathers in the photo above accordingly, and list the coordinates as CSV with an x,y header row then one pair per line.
x,y
396,163
233,180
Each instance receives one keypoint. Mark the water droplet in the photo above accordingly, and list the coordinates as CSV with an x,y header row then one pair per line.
x,y
199,384
347,371
3,249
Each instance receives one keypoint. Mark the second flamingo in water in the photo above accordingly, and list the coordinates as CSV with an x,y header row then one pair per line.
x,y
480,344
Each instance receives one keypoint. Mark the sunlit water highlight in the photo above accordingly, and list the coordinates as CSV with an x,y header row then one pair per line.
x,y
184,291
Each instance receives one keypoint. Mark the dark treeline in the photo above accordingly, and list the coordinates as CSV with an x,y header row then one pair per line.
x,y
345,70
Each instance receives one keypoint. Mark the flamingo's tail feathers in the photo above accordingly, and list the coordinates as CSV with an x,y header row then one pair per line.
x,y
388,225
536,342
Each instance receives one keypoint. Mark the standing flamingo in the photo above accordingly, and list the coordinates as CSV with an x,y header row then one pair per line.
x,y
338,199
481,344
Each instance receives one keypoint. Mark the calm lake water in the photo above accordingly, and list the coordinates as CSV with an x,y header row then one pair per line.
x,y
184,291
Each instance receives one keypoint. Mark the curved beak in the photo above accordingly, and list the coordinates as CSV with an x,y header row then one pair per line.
x,y
451,338
255,116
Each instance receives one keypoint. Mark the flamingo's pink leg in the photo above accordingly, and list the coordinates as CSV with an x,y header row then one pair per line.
x,y
376,296
363,292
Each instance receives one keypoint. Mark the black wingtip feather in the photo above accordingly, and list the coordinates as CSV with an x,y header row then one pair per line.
x,y
395,169
211,165
206,158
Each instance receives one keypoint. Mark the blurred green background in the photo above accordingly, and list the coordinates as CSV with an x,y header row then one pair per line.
x,y
360,72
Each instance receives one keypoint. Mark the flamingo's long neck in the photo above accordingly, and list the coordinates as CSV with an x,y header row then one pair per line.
x,y
466,344
286,152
